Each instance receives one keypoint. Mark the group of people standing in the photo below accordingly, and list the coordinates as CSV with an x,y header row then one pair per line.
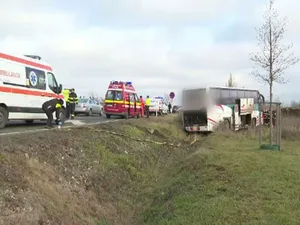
x,y
146,104
55,105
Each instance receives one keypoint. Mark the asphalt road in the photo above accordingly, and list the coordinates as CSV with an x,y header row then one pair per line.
x,y
20,126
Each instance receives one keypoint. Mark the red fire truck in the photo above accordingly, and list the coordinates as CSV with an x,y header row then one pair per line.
x,y
121,99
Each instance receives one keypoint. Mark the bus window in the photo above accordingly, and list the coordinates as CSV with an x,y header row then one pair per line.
x,y
215,95
254,95
225,97
194,97
241,94
233,94
225,93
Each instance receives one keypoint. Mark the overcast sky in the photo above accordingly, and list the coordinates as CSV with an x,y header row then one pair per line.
x,y
160,46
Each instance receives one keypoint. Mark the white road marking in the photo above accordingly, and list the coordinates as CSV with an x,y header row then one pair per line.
x,y
63,127
76,122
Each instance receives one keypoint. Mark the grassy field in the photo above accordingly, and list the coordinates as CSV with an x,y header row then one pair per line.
x,y
149,172
228,181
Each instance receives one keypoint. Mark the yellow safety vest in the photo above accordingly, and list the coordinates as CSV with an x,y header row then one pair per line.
x,y
58,105
147,102
66,94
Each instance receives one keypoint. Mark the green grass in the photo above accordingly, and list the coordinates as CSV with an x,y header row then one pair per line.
x,y
229,181
87,175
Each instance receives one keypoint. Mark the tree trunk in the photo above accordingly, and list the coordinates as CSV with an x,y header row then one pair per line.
x,y
271,76
271,114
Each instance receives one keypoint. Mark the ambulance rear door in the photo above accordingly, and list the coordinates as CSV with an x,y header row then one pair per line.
x,y
114,100
131,104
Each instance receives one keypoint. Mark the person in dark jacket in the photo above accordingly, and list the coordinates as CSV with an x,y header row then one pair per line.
x,y
169,107
73,99
51,106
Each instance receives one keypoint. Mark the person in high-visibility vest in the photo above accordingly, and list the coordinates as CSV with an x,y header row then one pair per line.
x,y
142,105
66,93
49,107
147,105
73,99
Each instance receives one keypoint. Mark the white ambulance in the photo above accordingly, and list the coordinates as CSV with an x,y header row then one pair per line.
x,y
26,83
158,106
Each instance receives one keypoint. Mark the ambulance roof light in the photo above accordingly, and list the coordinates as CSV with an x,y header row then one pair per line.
x,y
121,82
34,57
159,97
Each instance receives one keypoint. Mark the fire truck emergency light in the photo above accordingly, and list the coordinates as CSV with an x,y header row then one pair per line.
x,y
128,83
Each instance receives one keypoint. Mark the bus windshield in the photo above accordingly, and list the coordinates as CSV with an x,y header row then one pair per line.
x,y
114,95
194,98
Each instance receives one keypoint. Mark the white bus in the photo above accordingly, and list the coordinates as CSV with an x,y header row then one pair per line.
x,y
204,109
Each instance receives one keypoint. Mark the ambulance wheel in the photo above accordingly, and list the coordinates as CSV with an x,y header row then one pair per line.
x,y
62,116
108,116
3,117
29,121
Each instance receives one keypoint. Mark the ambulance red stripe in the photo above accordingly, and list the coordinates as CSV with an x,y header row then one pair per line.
x,y
24,61
28,92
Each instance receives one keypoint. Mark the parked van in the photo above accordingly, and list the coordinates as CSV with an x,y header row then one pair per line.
x,y
26,83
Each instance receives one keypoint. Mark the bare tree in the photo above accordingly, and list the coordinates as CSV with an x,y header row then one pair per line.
x,y
230,82
273,57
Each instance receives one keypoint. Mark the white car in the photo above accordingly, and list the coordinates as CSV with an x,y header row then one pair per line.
x,y
158,106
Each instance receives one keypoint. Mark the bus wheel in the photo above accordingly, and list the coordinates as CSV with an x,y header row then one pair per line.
x,y
253,123
108,116
3,117
224,125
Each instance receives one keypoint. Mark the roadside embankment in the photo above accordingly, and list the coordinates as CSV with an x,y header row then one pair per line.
x,y
147,172
85,175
